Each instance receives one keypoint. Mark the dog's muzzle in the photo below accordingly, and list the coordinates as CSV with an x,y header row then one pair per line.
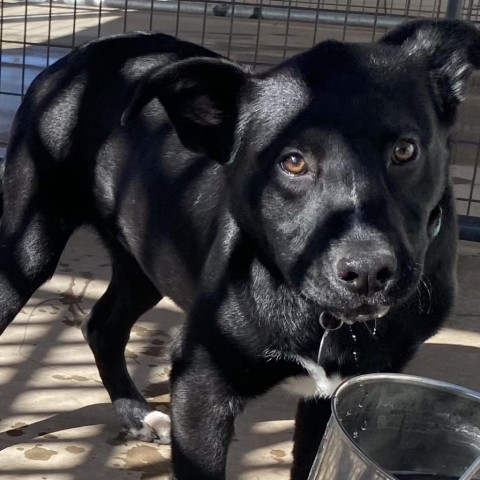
x,y
360,314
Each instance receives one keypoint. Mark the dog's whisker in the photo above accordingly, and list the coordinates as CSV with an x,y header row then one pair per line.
x,y
424,303
424,281
420,303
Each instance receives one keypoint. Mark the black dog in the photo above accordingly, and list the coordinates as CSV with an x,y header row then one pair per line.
x,y
269,206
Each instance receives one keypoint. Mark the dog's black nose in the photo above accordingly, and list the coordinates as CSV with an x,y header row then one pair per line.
x,y
367,273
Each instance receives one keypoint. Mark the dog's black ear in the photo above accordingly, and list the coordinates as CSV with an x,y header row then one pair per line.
x,y
451,49
201,98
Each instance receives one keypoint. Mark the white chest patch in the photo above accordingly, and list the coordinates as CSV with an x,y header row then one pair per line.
x,y
315,384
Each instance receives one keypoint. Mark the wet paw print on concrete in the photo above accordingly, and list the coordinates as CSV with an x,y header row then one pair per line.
x,y
154,350
75,378
278,455
75,450
53,309
145,459
150,332
157,349
38,453
158,392
132,355
67,297
16,430
64,267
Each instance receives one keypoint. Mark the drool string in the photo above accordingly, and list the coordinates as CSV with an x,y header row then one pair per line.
x,y
354,352
327,327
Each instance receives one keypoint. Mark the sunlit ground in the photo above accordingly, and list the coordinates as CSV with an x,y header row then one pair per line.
x,y
56,418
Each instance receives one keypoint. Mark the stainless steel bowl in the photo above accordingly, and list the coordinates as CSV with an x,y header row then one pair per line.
x,y
390,426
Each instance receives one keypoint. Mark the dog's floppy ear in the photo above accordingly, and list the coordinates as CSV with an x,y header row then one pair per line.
x,y
451,49
201,98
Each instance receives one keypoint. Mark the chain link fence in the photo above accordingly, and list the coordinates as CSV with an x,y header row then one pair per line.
x,y
35,33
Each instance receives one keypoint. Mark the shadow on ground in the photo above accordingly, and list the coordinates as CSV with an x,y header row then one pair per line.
x,y
56,419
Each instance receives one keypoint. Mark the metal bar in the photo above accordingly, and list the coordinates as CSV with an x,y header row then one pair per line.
x,y
176,10
74,26
287,29
24,49
249,11
1,41
204,26
421,5
345,21
466,142
49,34
469,10
11,94
315,28
374,29
257,37
454,9
469,228
100,5
437,8
474,177
150,22
230,33
125,16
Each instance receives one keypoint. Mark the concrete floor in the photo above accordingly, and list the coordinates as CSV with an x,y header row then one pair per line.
x,y
56,419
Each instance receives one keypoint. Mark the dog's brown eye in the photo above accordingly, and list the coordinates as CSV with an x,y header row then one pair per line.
x,y
294,164
404,151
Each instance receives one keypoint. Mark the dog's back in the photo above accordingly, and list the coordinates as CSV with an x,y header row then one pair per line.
x,y
87,165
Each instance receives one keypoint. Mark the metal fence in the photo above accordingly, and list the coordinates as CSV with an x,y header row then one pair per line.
x,y
35,33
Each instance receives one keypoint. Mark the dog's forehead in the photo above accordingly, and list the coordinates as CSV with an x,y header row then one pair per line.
x,y
334,84
373,63
277,100
343,70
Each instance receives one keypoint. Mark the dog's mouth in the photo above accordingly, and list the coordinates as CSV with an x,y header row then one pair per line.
x,y
363,313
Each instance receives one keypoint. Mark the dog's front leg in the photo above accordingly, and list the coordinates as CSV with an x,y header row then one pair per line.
x,y
203,412
310,423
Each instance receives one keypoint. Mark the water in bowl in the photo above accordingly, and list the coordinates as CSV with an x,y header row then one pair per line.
x,y
422,476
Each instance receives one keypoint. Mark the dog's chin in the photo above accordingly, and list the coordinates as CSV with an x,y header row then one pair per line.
x,y
363,313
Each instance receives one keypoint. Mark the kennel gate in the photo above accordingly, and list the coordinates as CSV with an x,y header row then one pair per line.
x,y
35,33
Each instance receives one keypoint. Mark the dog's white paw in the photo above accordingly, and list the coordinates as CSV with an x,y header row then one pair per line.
x,y
155,428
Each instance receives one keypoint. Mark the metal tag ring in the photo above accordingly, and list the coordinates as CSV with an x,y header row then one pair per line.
x,y
326,327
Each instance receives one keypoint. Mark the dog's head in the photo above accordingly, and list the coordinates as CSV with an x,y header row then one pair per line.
x,y
337,158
